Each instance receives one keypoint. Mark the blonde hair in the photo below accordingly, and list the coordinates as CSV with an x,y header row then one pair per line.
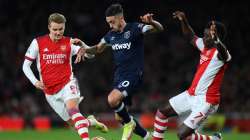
x,y
57,18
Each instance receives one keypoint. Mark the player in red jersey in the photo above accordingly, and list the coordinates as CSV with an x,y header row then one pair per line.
x,y
53,54
203,96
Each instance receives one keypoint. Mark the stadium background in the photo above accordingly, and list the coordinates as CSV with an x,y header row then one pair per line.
x,y
170,61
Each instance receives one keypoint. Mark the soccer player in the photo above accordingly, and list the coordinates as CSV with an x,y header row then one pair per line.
x,y
53,54
126,41
203,96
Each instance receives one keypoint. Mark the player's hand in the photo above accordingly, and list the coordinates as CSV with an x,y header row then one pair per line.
x,y
213,31
179,15
80,55
77,42
147,18
39,85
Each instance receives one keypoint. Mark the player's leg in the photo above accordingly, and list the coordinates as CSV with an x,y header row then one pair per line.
x,y
177,105
80,122
161,120
187,133
139,130
71,97
57,103
115,101
200,111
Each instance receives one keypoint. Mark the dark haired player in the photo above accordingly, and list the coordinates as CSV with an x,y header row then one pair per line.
x,y
126,41
203,96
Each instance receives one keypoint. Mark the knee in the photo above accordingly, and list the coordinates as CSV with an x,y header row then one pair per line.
x,y
114,99
181,135
185,133
163,112
167,111
113,102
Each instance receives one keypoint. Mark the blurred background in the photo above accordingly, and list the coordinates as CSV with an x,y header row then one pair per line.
x,y
170,61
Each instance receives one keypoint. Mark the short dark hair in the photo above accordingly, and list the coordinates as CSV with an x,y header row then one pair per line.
x,y
221,29
113,10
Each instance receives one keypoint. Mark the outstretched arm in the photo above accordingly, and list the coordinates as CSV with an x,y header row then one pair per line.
x,y
92,50
153,25
223,53
185,26
98,48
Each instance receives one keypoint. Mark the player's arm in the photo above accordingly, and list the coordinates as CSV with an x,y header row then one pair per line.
x,y
88,50
30,56
78,48
98,48
185,26
152,25
223,53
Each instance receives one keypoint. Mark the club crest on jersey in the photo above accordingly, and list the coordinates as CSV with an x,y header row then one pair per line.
x,y
63,48
127,34
121,46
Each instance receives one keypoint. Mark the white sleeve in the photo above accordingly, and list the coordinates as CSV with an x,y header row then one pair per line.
x,y
146,28
28,72
32,51
199,43
229,56
103,41
75,49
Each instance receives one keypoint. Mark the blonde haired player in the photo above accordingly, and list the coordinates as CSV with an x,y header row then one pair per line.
x,y
53,54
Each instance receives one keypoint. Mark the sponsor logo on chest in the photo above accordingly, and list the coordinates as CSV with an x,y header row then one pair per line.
x,y
54,58
121,46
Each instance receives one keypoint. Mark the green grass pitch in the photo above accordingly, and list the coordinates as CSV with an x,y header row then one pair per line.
x,y
67,134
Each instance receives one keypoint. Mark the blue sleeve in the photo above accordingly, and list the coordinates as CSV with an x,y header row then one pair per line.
x,y
138,27
107,38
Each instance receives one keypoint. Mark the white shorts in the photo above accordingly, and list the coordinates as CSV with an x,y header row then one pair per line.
x,y
197,106
58,100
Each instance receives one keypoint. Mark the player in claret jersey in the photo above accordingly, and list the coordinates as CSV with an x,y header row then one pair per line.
x,y
126,41
203,96
53,54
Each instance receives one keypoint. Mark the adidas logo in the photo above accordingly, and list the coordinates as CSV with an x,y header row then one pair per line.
x,y
45,50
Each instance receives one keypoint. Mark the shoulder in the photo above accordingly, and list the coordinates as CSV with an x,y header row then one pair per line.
x,y
108,35
136,25
66,39
43,37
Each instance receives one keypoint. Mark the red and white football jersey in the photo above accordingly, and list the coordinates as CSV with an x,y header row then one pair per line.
x,y
209,74
53,61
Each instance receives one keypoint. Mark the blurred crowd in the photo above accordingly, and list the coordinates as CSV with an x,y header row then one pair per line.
x,y
170,61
